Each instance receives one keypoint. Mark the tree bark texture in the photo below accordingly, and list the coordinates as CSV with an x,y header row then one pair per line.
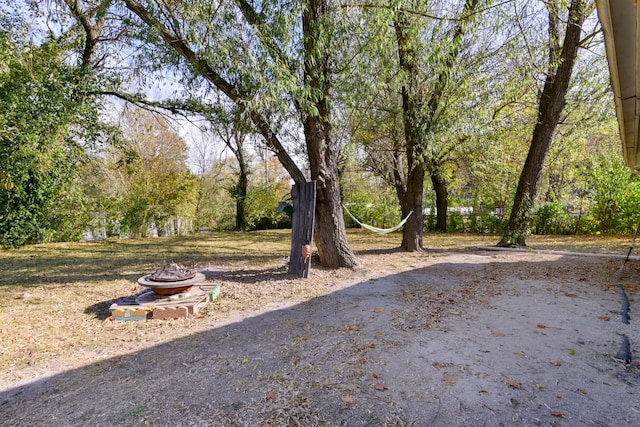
x,y
330,232
442,203
91,28
552,102
410,197
240,190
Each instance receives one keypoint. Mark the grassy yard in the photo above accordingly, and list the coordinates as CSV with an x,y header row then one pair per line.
x,y
54,298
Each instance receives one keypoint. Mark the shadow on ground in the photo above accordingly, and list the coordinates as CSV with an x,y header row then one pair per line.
x,y
474,339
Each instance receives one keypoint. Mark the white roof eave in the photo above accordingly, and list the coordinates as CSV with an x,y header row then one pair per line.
x,y
619,19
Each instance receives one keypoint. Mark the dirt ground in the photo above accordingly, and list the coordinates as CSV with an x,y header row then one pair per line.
x,y
480,338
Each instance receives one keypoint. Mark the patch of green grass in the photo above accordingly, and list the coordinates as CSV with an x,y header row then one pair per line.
x,y
137,410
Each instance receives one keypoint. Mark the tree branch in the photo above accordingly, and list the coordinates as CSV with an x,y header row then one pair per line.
x,y
91,29
229,89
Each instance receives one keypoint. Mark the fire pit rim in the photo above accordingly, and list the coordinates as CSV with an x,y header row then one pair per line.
x,y
147,282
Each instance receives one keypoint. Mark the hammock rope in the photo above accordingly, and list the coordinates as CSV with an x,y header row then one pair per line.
x,y
376,229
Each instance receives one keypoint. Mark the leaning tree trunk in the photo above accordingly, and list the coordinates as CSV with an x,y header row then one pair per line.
x,y
330,234
550,108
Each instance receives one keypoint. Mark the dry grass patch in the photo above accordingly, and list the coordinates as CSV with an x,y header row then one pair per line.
x,y
54,298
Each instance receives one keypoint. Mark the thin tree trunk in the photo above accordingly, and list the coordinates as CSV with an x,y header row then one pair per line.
x,y
241,200
550,109
240,189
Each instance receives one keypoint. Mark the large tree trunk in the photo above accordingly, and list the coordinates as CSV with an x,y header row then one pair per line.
x,y
442,204
550,109
330,234
411,200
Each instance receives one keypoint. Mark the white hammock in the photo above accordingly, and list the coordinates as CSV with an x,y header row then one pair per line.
x,y
376,229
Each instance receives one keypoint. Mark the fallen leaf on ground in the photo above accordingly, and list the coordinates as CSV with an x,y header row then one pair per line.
x,y
483,301
515,384
572,352
449,379
557,414
497,333
380,386
558,396
541,326
555,362
377,310
440,365
571,295
271,395
580,390
605,318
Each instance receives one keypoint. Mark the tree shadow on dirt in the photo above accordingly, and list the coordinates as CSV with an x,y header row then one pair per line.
x,y
348,359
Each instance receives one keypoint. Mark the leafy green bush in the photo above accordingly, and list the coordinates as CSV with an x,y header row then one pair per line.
x,y
629,207
550,218
457,222
39,150
608,178
260,208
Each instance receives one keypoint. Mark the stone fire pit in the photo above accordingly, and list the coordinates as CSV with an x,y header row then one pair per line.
x,y
171,280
